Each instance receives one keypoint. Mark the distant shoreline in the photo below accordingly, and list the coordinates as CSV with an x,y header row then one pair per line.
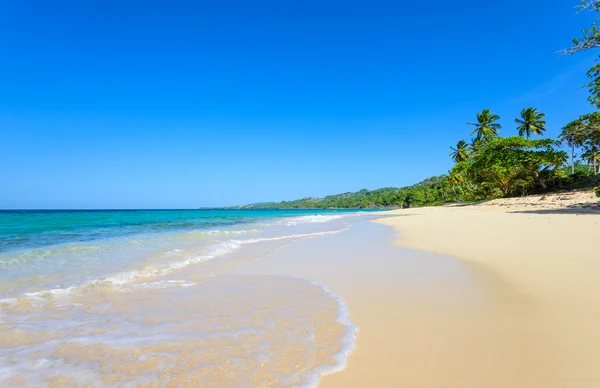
x,y
311,208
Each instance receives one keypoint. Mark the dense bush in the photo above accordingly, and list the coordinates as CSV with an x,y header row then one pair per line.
x,y
597,189
580,175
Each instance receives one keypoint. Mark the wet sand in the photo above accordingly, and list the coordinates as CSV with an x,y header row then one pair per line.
x,y
462,297
195,325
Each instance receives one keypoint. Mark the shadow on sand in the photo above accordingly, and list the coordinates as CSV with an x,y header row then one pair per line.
x,y
595,209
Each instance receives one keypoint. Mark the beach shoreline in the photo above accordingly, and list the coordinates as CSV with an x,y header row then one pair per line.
x,y
537,261
171,314
501,294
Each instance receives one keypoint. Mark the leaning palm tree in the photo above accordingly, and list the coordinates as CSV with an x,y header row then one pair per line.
x,y
461,152
486,127
531,121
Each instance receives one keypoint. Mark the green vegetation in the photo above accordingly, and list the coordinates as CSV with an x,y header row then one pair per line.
x,y
579,171
590,40
486,127
462,151
509,166
491,166
516,165
597,190
584,133
531,121
430,192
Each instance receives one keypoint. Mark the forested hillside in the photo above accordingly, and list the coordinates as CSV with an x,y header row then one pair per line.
x,y
432,191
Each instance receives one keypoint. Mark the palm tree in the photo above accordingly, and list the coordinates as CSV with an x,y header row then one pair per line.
x,y
461,152
570,135
531,121
476,145
592,157
485,127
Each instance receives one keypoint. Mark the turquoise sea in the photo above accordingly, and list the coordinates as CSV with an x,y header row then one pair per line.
x,y
43,242
141,297
22,229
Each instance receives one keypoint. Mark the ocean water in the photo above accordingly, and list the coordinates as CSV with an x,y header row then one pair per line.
x,y
144,298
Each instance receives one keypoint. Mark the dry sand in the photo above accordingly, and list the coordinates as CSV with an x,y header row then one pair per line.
x,y
535,259
573,202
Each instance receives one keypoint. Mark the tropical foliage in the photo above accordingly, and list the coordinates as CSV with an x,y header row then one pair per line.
x,y
486,126
591,36
461,152
590,40
570,135
584,134
508,165
490,166
531,122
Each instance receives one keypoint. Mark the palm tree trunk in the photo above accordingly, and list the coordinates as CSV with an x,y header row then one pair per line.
x,y
539,181
573,159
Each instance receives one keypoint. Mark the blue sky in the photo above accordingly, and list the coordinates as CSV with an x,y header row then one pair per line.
x,y
179,104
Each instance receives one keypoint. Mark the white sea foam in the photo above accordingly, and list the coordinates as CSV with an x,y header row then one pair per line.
x,y
349,339
122,279
151,271
55,293
289,236
218,250
231,232
173,252
314,219
166,284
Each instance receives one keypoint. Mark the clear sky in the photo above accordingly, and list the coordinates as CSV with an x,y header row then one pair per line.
x,y
181,104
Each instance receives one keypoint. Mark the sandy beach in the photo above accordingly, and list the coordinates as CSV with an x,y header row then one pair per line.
x,y
503,294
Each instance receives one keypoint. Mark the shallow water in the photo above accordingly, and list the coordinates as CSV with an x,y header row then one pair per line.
x,y
160,309
227,331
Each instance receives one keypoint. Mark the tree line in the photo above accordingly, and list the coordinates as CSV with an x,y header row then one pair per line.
x,y
430,192
491,166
